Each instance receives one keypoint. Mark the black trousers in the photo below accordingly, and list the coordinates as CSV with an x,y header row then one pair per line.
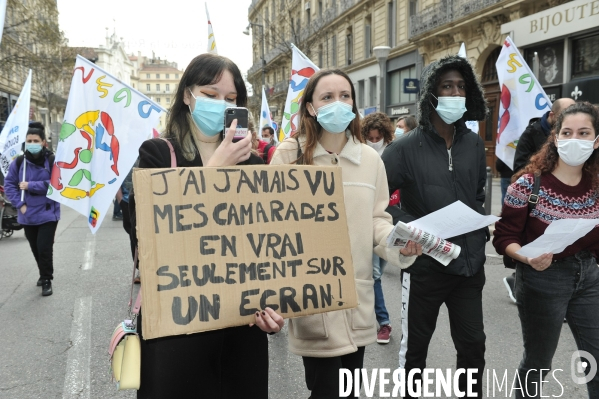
x,y
231,363
422,296
322,373
127,226
41,241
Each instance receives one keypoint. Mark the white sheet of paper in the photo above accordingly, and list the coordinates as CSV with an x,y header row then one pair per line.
x,y
453,220
558,235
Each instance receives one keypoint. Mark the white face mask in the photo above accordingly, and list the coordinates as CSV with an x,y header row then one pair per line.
x,y
450,109
379,146
575,152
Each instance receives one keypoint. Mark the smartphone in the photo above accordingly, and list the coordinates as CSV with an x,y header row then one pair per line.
x,y
241,114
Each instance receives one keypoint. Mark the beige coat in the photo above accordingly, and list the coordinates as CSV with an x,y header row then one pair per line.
x,y
366,197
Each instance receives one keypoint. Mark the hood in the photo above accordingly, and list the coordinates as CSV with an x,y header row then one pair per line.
x,y
476,106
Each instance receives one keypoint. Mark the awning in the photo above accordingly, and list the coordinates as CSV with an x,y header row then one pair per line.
x,y
583,89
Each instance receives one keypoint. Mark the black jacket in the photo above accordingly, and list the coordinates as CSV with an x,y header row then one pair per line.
x,y
531,141
503,169
418,165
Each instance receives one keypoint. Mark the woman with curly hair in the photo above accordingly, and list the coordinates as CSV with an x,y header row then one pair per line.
x,y
377,131
553,286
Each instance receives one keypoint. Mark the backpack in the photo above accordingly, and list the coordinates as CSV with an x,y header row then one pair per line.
x,y
533,199
265,154
50,161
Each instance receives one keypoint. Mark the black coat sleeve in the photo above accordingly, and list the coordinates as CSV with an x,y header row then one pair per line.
x,y
525,149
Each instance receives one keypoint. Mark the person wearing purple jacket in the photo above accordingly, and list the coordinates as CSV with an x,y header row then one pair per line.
x,y
38,214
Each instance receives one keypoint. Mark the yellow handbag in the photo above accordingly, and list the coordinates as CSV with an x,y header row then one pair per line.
x,y
125,356
125,347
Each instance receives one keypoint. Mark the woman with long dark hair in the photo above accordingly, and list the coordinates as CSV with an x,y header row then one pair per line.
x,y
227,363
329,134
553,286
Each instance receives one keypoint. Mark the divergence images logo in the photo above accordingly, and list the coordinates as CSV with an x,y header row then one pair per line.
x,y
583,367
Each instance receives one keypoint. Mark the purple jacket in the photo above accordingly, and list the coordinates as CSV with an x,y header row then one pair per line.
x,y
40,209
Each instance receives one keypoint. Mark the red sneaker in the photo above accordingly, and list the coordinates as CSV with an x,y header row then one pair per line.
x,y
384,334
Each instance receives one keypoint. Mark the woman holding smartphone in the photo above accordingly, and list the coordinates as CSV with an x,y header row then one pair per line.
x,y
227,363
550,287
329,135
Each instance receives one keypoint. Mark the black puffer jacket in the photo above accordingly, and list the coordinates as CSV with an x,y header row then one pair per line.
x,y
418,164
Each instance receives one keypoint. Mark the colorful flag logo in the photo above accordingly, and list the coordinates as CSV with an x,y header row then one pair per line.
x,y
104,125
301,70
522,98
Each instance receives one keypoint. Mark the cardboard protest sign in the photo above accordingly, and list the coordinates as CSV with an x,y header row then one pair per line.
x,y
218,244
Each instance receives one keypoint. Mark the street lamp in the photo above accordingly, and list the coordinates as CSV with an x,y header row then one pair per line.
x,y
247,32
381,53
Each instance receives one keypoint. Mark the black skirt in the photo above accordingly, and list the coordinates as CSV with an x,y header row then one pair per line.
x,y
220,364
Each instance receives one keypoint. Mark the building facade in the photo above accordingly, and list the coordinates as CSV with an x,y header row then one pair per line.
x,y
158,79
342,34
32,40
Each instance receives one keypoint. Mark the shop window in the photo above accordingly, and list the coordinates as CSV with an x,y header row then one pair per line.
x,y
397,96
551,62
585,59
372,92
360,94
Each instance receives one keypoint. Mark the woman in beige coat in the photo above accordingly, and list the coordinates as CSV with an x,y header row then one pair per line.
x,y
329,134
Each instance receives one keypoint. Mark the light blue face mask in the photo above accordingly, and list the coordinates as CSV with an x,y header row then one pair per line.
x,y
33,148
209,114
334,117
450,109
399,132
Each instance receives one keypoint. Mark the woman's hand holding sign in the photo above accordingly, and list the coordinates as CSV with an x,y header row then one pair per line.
x,y
411,249
269,321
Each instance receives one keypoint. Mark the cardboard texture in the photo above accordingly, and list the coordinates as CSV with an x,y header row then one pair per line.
x,y
218,244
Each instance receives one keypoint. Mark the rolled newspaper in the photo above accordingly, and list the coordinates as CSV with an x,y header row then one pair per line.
x,y
433,246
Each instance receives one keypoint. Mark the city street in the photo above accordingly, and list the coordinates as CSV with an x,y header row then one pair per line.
x,y
57,346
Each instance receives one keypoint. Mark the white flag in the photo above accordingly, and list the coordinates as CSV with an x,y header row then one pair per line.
x,y
265,118
301,70
522,98
15,130
105,123
211,39
472,125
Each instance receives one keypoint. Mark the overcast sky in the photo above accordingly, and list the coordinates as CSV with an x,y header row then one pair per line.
x,y
174,29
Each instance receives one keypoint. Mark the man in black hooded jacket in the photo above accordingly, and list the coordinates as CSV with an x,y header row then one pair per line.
x,y
438,163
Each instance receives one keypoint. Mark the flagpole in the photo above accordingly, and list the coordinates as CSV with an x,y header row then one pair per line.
x,y
24,169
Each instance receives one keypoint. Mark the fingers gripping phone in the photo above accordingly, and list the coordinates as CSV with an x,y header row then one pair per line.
x,y
241,114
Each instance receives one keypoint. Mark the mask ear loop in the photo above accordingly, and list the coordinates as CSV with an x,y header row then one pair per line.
x,y
313,110
194,97
435,107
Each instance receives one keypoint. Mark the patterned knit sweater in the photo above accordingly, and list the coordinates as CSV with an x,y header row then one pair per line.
x,y
556,201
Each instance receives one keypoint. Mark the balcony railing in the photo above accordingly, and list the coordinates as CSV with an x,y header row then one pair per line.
x,y
445,12
281,87
316,25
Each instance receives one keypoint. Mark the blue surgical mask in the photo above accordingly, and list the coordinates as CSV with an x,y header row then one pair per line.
x,y
399,132
334,117
33,148
209,114
451,109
